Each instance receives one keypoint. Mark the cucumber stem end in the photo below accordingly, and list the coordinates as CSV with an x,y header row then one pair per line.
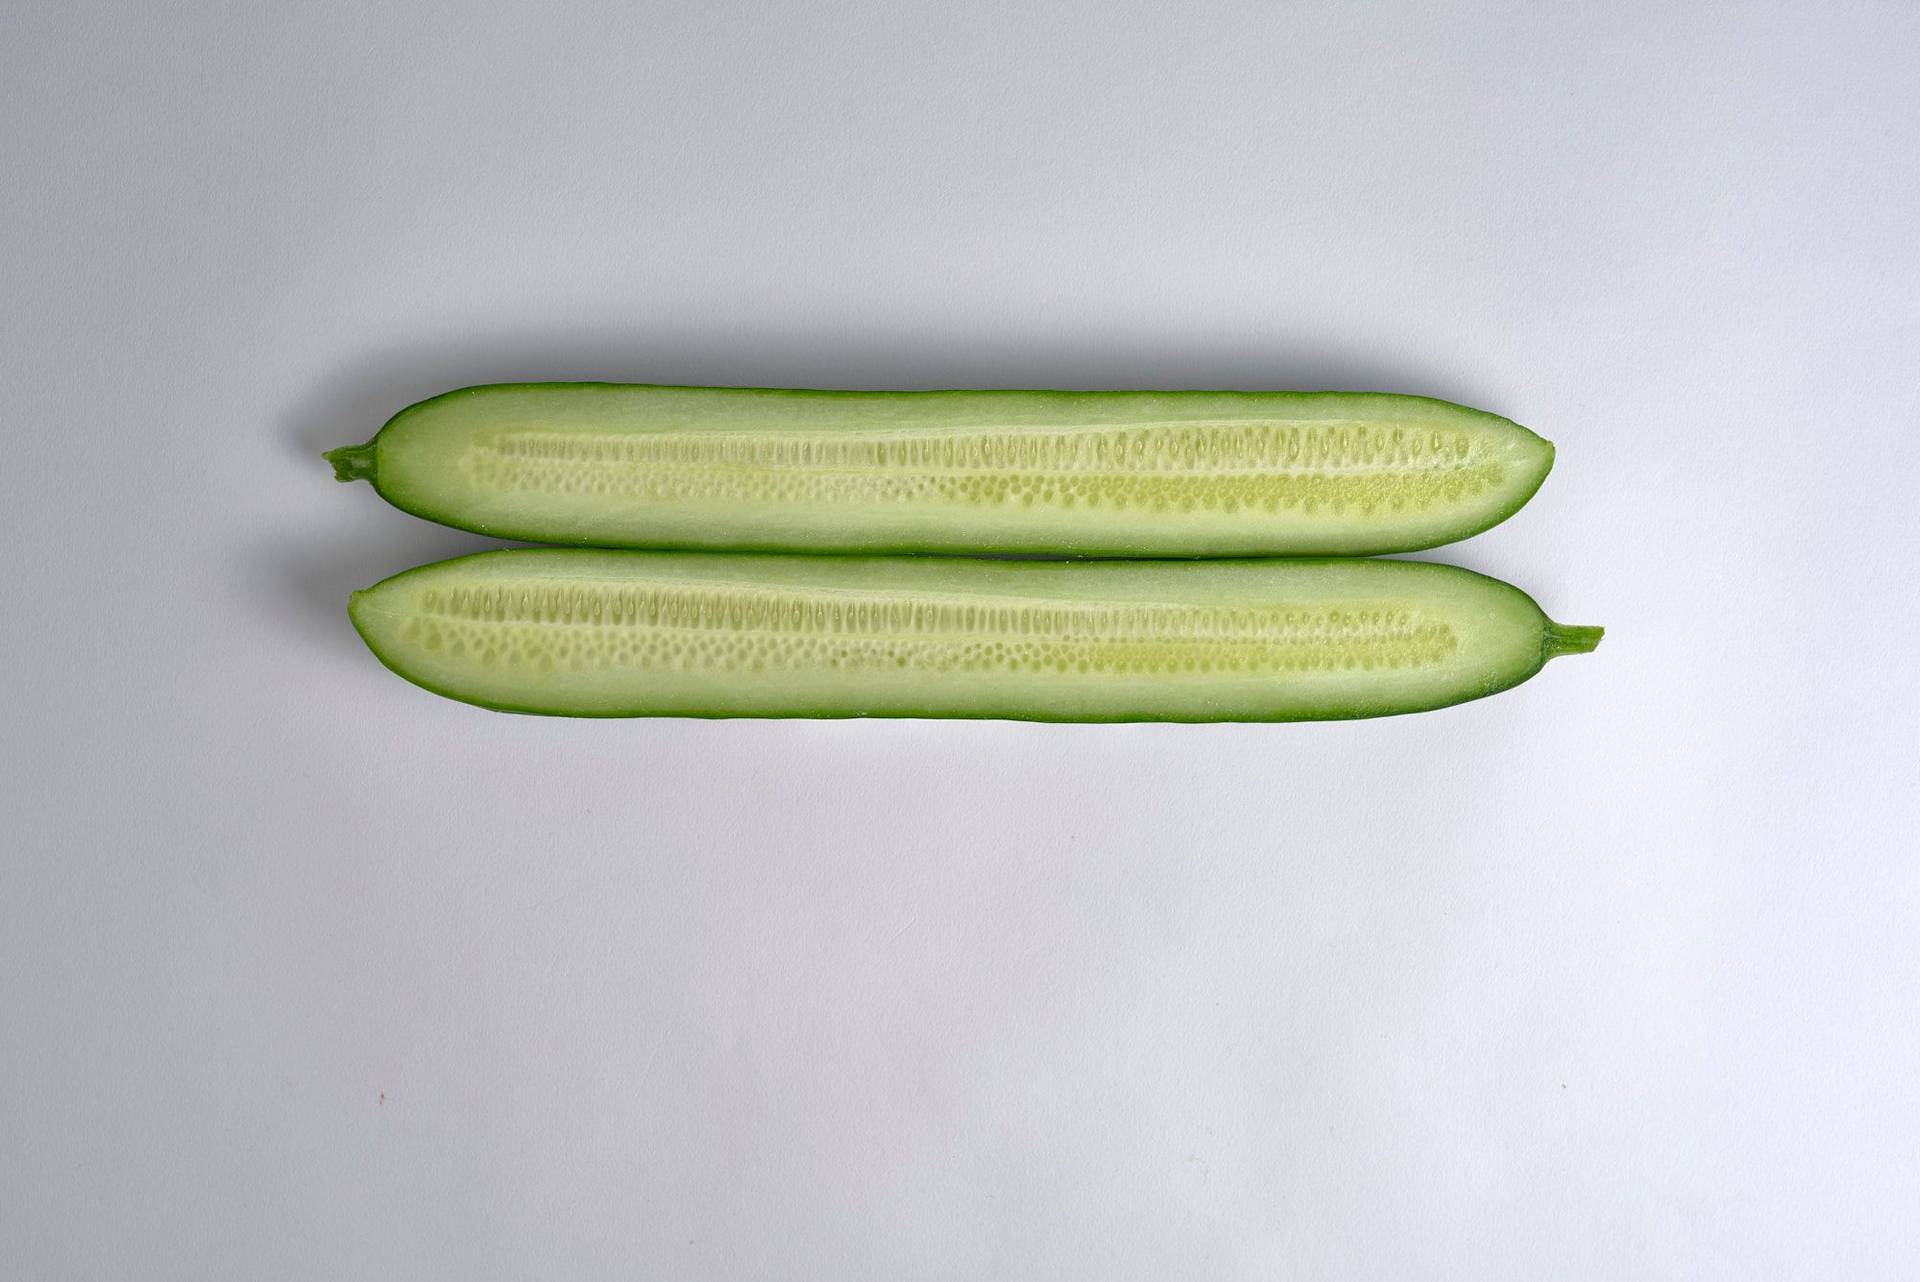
x,y
352,462
1569,639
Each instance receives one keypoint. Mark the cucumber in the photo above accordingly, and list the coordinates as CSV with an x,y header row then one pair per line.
x,y
607,634
1094,473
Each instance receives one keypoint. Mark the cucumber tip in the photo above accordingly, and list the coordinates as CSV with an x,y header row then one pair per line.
x,y
352,462
1565,638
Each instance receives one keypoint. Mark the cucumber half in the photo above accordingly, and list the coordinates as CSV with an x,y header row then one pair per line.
x,y
597,633
1094,473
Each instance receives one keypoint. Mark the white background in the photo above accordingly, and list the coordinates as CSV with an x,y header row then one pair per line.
x,y
305,973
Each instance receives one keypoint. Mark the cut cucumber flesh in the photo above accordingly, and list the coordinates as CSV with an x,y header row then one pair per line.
x,y
1115,473
598,633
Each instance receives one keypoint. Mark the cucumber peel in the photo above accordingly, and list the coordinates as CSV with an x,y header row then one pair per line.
x,y
611,633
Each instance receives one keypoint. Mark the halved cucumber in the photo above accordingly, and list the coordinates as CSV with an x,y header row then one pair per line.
x,y
592,633
1115,473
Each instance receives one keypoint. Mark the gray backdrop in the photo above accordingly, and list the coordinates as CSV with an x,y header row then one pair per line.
x,y
307,974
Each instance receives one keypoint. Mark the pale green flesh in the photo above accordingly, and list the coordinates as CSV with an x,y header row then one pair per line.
x,y
1117,473
598,633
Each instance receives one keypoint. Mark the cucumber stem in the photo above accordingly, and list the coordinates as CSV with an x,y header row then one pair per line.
x,y
352,462
1565,638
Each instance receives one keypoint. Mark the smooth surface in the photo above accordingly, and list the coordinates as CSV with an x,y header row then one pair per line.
x,y
589,632
308,975
1117,473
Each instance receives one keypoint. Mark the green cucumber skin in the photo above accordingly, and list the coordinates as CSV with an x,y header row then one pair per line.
x,y
1528,654
752,525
